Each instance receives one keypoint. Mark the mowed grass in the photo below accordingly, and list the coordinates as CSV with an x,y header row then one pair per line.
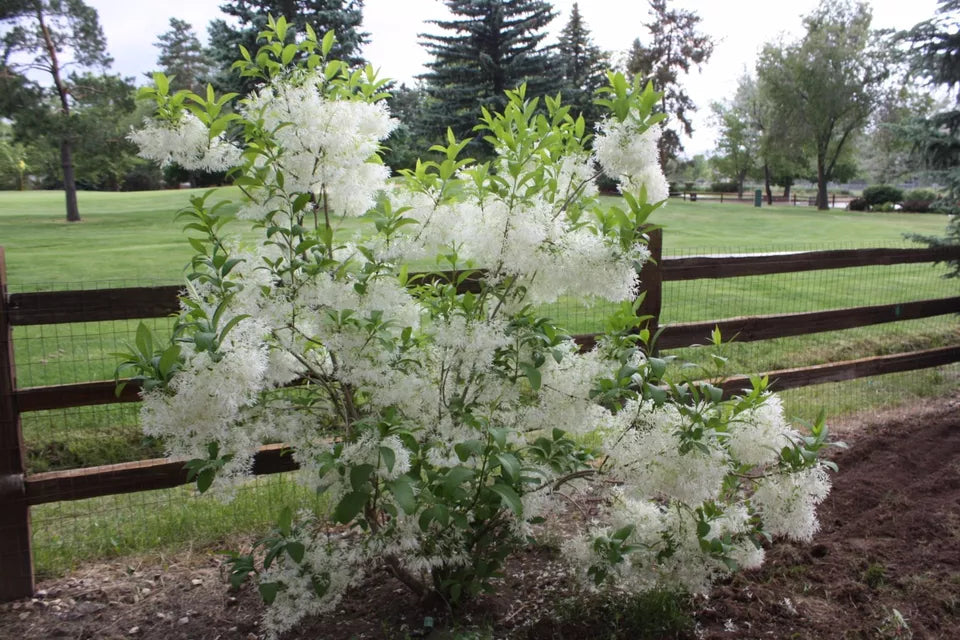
x,y
132,238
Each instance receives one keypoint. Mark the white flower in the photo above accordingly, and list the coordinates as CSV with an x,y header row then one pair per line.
x,y
632,157
186,143
757,436
787,502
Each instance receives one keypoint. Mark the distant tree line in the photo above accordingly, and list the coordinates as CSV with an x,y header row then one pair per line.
x,y
68,130
841,102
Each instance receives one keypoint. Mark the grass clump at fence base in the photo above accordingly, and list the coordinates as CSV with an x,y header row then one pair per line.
x,y
66,534
661,613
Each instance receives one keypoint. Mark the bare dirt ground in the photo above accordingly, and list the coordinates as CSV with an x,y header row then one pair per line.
x,y
885,565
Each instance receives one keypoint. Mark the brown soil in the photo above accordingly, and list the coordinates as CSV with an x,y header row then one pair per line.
x,y
890,544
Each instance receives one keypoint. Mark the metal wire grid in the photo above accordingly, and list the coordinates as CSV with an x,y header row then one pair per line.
x,y
68,532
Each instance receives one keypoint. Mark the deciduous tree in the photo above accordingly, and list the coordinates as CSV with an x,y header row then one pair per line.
x,y
37,35
828,84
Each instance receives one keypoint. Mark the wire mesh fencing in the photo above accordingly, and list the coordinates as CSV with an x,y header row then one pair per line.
x,y
68,532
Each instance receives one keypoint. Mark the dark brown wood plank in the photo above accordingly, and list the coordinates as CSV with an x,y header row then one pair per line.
x,y
697,267
130,477
752,328
838,371
16,560
80,394
93,305
56,307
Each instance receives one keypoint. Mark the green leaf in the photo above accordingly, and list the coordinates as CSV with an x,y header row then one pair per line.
x,y
350,506
285,521
327,44
465,449
289,52
533,375
509,497
623,533
402,490
703,528
389,458
170,357
268,591
144,340
457,476
296,550
510,466
205,478
360,475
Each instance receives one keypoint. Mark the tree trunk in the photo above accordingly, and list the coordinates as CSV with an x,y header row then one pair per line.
x,y
766,182
66,155
786,189
69,182
823,204
740,178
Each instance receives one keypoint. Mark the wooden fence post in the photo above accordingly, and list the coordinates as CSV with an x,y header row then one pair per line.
x,y
16,560
651,280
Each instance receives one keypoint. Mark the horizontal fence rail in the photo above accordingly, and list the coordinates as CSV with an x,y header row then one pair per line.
x,y
765,327
19,491
759,264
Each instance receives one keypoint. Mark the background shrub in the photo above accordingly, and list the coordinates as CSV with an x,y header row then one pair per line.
x,y
724,187
857,204
880,193
919,201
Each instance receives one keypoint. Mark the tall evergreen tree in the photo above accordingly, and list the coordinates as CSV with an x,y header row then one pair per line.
x,y
489,47
583,66
344,17
37,33
936,47
675,47
182,55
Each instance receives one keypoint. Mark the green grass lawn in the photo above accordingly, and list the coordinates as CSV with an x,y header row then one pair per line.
x,y
131,238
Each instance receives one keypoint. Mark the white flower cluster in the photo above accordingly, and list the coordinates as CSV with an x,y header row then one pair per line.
x,y
324,146
662,483
187,143
628,153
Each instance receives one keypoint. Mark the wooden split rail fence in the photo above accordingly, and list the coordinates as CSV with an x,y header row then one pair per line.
x,y
19,491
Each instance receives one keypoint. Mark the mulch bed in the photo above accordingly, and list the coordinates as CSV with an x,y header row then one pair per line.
x,y
889,545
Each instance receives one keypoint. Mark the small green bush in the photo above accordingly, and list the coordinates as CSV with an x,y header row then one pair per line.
x,y
724,187
919,201
921,194
857,204
881,193
885,207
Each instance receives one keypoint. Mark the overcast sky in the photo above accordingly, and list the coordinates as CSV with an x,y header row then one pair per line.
x,y
738,27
